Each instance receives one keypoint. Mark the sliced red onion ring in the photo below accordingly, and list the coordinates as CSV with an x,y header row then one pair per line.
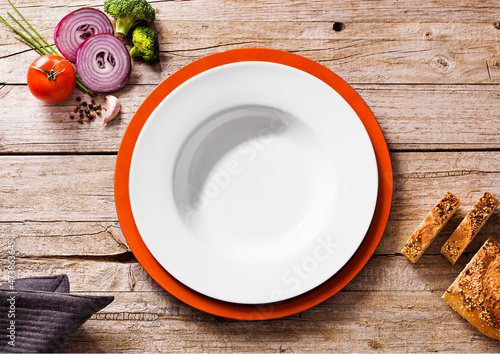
x,y
76,27
103,63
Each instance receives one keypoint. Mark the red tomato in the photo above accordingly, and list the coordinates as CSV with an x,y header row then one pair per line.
x,y
51,78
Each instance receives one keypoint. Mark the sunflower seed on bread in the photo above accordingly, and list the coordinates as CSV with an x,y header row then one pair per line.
x,y
475,293
469,227
430,227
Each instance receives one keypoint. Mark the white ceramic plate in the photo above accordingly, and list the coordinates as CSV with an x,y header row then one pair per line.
x,y
253,182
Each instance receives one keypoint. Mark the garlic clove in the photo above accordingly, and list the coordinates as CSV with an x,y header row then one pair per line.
x,y
112,108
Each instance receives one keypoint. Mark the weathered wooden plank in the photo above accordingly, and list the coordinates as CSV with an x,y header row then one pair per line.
x,y
434,117
379,308
420,179
188,33
62,238
83,239
37,191
39,127
357,61
411,117
378,295
367,49
194,34
382,273
349,321
87,238
191,34
52,188
324,10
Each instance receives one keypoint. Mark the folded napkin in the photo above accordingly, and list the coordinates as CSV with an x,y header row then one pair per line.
x,y
39,314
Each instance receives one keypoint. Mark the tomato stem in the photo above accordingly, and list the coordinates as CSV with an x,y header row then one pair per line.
x,y
51,74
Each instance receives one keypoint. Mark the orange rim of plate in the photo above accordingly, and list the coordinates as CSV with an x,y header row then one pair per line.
x,y
260,311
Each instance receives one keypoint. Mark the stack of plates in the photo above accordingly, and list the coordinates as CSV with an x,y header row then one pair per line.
x,y
253,184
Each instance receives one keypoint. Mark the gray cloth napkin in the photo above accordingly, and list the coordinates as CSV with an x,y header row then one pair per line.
x,y
44,313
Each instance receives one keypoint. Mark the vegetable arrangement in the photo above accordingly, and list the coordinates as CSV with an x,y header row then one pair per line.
x,y
32,39
85,40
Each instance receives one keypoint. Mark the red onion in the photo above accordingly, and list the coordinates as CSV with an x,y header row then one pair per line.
x,y
76,27
103,63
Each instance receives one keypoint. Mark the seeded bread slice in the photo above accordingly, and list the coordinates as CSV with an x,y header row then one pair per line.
x,y
469,227
429,228
475,293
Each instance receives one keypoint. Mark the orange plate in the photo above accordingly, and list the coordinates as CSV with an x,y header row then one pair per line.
x,y
263,311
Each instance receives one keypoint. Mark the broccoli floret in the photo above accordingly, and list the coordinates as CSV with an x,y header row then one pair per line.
x,y
128,13
145,45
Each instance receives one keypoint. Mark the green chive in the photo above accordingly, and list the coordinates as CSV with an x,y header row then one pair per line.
x,y
40,45
34,30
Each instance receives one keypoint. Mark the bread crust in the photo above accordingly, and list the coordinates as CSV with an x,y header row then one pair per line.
x,y
475,293
429,228
469,227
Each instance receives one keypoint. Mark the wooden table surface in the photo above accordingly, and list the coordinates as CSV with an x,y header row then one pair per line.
x,y
429,71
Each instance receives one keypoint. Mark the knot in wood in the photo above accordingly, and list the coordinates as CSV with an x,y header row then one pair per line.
x,y
338,26
441,63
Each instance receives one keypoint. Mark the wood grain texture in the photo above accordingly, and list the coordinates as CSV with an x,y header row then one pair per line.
x,y
379,300
103,239
360,329
368,314
382,42
430,274
58,200
430,72
80,187
340,324
50,188
314,10
412,117
362,60
63,238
